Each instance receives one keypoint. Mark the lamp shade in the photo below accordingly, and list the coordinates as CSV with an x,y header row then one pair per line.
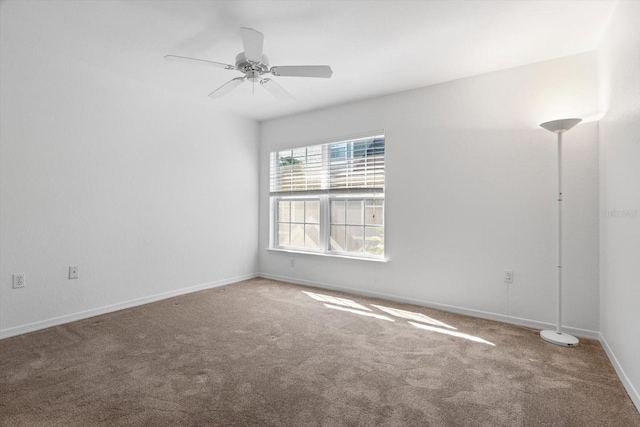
x,y
560,126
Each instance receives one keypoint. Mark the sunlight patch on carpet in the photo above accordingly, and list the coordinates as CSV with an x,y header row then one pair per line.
x,y
362,313
452,333
336,301
350,306
419,317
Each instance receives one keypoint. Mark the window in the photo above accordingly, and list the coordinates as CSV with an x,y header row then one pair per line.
x,y
329,198
299,223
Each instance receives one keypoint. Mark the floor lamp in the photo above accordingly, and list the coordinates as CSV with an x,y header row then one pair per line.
x,y
558,337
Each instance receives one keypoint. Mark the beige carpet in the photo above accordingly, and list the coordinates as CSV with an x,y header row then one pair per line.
x,y
268,353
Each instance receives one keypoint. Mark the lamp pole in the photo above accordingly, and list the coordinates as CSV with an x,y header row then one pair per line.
x,y
558,337
559,316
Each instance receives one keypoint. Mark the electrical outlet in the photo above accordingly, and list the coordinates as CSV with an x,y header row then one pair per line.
x,y
18,280
73,273
508,276
292,262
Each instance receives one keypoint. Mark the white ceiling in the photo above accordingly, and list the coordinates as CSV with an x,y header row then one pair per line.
x,y
374,47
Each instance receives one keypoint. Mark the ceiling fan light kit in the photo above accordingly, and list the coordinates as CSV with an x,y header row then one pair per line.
x,y
254,65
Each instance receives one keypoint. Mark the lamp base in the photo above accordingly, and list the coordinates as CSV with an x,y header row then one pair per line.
x,y
559,338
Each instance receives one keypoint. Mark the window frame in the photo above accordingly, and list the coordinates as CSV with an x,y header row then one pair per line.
x,y
324,198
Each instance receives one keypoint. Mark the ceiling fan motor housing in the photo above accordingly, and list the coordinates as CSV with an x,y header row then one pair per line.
x,y
251,69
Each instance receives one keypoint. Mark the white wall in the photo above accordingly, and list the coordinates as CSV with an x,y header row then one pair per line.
x,y
619,139
468,166
127,182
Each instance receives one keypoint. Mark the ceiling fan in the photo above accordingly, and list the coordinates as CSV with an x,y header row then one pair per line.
x,y
253,64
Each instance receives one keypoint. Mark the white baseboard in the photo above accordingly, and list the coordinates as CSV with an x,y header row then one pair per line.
x,y
35,326
631,390
584,333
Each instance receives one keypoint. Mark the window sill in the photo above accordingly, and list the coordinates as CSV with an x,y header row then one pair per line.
x,y
354,257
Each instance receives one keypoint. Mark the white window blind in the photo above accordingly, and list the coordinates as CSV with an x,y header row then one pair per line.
x,y
351,166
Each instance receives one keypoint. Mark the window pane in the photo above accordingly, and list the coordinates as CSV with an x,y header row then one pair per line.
x,y
374,240
311,236
283,211
293,170
297,235
287,167
299,155
314,167
360,148
284,156
297,211
355,239
374,212
312,214
337,240
337,212
283,234
354,212
338,151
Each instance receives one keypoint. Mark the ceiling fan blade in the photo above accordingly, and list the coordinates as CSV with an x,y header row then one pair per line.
x,y
198,61
276,90
227,87
323,71
252,41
